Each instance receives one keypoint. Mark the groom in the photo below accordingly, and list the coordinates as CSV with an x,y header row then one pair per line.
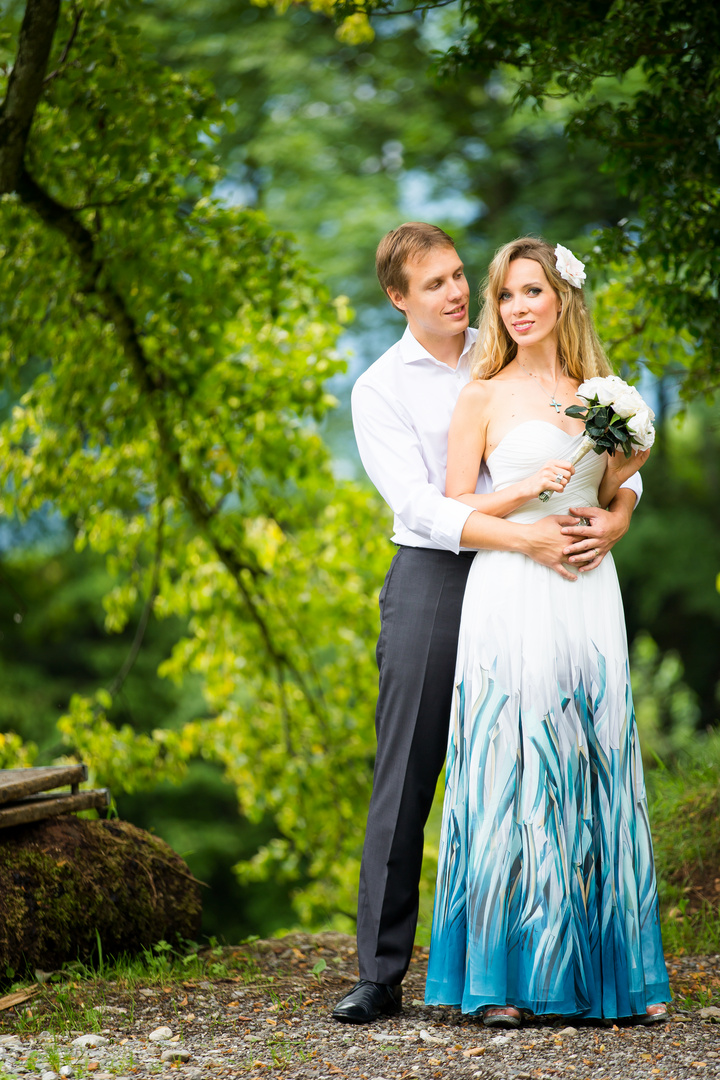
x,y
401,414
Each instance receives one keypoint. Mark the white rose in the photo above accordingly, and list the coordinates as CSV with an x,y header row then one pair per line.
x,y
589,389
641,429
627,403
569,268
598,389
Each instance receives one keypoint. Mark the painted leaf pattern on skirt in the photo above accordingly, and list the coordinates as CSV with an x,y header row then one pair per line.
x,y
546,896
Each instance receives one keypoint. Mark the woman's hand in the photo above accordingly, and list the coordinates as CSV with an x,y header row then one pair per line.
x,y
617,471
553,476
622,468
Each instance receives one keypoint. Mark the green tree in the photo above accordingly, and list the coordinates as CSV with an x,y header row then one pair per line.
x,y
642,80
340,142
174,352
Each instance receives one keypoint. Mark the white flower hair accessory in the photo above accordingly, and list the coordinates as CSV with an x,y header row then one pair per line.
x,y
569,268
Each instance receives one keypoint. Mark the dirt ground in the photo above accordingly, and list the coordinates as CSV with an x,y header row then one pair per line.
x,y
271,1017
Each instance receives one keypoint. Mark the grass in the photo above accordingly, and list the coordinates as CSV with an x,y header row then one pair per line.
x,y
73,998
684,808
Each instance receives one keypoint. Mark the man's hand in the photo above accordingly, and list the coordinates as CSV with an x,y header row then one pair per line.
x,y
592,542
546,544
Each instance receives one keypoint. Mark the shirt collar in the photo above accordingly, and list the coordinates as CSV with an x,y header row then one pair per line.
x,y
411,350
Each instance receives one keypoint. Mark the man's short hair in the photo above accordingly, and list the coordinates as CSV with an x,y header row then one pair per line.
x,y
400,247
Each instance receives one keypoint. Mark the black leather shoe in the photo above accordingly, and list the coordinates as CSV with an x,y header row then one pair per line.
x,y
367,1001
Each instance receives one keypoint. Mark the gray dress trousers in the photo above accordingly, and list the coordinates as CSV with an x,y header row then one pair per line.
x,y
420,607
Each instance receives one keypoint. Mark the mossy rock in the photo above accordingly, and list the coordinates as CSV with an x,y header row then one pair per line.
x,y
67,879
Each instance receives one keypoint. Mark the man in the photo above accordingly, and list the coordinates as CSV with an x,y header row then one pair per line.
x,y
401,414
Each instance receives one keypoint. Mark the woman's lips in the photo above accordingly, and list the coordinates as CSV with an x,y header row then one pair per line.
x,y
521,327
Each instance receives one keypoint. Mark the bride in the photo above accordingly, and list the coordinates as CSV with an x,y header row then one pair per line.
x,y
546,899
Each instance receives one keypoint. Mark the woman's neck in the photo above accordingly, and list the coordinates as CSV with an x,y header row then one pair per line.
x,y
540,359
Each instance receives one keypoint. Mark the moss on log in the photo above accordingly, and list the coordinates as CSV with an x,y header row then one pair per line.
x,y
64,879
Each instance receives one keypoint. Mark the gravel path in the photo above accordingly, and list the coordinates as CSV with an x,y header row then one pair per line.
x,y
272,1019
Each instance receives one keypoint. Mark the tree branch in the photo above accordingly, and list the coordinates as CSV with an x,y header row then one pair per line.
x,y
117,683
68,46
25,86
152,384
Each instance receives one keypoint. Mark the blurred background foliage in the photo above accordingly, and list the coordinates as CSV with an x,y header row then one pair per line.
x,y
334,143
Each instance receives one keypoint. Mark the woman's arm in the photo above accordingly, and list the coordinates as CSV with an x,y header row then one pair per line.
x,y
466,446
617,471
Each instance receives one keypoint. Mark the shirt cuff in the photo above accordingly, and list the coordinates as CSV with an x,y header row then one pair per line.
x,y
449,523
634,484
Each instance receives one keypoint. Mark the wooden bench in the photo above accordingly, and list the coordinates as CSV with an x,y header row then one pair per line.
x,y
29,794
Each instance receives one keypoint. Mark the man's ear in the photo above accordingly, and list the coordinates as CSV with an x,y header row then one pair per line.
x,y
397,299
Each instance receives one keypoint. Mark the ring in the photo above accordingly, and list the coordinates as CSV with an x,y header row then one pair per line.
x,y
559,477
596,552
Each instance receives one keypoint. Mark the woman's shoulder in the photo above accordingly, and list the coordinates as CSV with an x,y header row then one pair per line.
x,y
477,393
482,395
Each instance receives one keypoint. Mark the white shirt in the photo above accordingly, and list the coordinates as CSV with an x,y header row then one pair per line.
x,y
401,410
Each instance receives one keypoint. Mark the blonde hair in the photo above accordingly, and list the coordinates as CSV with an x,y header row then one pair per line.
x,y
578,345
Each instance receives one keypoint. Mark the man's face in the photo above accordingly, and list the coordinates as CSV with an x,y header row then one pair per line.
x,y
437,295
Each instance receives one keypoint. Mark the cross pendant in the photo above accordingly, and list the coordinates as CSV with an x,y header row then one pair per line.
x,y
557,405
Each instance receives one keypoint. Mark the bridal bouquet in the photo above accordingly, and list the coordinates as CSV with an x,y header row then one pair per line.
x,y
616,417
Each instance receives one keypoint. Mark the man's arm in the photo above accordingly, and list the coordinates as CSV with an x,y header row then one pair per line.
x,y
543,541
391,453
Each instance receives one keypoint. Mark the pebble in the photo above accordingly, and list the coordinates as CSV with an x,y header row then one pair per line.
x,y
92,1040
428,1038
49,1076
67,1071
567,1031
710,1013
161,1034
176,1054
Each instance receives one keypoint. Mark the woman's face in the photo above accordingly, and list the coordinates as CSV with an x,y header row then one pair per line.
x,y
529,306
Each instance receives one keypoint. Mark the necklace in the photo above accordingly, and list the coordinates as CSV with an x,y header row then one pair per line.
x,y
556,405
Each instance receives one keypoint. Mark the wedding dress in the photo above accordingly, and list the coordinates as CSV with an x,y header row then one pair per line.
x,y
546,896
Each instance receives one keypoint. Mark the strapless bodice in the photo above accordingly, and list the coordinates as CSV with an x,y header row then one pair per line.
x,y
525,449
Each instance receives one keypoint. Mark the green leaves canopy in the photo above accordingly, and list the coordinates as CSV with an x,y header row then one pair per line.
x,y
174,353
642,79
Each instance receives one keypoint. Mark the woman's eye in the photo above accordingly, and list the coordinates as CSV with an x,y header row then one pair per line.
x,y
504,296
534,291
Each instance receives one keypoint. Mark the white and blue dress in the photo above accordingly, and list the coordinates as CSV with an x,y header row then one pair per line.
x,y
546,896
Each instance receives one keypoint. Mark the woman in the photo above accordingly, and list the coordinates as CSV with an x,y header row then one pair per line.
x,y
546,897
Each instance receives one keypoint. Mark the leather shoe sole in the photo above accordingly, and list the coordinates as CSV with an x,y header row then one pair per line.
x,y
502,1017
368,1001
